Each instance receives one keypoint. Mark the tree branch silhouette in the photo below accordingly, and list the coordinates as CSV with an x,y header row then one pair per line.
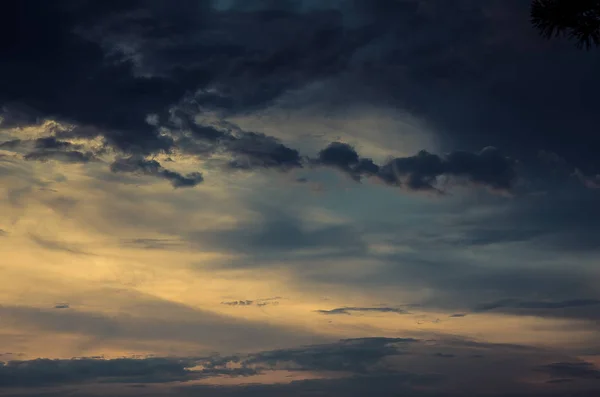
x,y
578,20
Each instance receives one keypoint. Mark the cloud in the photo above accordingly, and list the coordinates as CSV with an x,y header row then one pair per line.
x,y
50,148
71,156
347,367
59,246
345,158
148,76
47,372
152,243
350,310
577,370
258,302
359,355
189,326
254,150
421,172
549,305
276,232
153,168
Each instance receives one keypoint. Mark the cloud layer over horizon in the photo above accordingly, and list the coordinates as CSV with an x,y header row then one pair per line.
x,y
243,198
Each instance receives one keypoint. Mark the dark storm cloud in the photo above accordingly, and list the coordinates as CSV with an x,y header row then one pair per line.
x,y
86,80
345,158
488,168
480,75
135,164
421,171
160,59
349,310
79,83
255,150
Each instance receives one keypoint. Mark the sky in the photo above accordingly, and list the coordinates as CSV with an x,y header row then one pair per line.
x,y
296,197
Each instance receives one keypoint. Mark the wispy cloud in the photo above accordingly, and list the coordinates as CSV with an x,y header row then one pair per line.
x,y
350,310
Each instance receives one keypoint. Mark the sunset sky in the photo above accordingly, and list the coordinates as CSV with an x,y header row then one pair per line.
x,y
296,197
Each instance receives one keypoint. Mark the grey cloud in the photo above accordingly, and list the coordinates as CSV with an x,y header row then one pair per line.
x,y
71,156
350,310
44,372
152,167
516,304
53,143
354,355
375,365
460,283
12,144
279,232
577,309
255,150
420,172
345,158
560,218
50,148
76,371
578,370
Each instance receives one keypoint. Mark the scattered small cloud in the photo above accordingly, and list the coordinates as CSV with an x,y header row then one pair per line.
x,y
257,302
